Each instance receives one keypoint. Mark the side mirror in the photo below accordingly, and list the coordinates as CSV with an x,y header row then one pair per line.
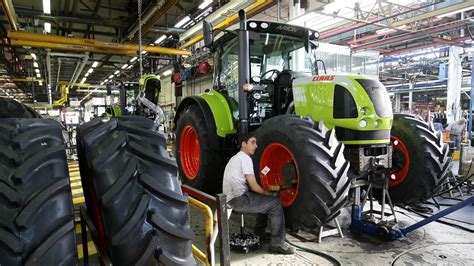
x,y
208,36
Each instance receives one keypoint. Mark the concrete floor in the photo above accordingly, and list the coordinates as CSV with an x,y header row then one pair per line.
x,y
435,243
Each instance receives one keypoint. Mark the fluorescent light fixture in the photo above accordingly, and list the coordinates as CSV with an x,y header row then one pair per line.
x,y
167,72
144,52
160,39
95,64
111,76
124,66
40,83
47,27
37,70
182,22
34,56
35,64
83,80
116,72
456,12
90,70
38,75
133,59
102,83
130,67
87,74
46,6
205,4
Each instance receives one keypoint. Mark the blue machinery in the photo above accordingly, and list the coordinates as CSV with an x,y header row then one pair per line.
x,y
367,223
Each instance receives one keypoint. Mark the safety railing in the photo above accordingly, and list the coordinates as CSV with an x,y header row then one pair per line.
x,y
204,203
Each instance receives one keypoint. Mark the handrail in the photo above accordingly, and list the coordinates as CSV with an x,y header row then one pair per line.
x,y
208,229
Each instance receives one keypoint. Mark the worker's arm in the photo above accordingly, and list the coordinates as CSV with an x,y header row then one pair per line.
x,y
254,186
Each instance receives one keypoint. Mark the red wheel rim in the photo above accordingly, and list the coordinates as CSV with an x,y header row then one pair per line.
x,y
190,152
396,177
282,166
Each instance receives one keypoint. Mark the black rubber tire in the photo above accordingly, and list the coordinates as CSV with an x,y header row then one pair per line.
x,y
425,147
10,108
212,162
36,212
324,183
143,212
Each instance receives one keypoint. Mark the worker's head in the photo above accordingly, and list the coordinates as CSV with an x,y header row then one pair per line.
x,y
248,143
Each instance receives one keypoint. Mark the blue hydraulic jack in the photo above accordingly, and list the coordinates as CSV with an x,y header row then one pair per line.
x,y
367,223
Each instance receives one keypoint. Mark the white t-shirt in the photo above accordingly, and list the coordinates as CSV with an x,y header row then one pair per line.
x,y
235,183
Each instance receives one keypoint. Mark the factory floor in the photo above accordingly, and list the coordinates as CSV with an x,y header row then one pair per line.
x,y
435,243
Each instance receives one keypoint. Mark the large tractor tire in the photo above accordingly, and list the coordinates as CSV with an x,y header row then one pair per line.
x,y
200,165
9,108
134,193
420,162
306,160
36,212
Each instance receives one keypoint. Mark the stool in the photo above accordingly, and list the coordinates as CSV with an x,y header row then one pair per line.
x,y
243,242
330,232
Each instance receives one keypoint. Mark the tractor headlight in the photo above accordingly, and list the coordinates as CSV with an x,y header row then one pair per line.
x,y
362,123
362,111
376,124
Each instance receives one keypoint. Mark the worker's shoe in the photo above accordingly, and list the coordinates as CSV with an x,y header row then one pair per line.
x,y
283,248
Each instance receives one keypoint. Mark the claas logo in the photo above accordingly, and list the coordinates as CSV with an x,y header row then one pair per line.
x,y
323,78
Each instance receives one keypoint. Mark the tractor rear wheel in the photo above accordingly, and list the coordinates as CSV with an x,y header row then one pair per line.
x,y
36,212
420,161
304,158
141,213
10,108
200,165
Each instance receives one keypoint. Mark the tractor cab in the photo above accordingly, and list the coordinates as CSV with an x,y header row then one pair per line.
x,y
278,54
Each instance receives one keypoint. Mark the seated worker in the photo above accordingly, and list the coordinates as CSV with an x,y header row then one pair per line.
x,y
239,177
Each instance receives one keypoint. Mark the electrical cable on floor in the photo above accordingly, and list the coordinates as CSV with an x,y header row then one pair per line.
x,y
315,252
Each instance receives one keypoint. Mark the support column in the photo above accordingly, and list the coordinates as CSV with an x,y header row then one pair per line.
x,y
397,102
410,97
454,84
471,100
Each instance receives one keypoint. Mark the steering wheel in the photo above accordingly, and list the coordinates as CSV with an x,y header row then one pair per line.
x,y
273,74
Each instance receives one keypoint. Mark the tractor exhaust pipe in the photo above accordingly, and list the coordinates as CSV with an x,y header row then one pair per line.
x,y
244,72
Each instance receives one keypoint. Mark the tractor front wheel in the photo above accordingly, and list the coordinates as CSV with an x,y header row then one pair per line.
x,y
200,165
304,159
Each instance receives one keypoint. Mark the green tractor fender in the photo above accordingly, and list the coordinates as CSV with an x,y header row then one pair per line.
x,y
216,109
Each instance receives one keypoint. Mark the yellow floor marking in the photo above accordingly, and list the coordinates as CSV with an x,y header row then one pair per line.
x,y
76,191
75,178
90,248
75,184
78,200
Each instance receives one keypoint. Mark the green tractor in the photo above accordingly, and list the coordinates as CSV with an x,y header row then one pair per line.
x,y
315,133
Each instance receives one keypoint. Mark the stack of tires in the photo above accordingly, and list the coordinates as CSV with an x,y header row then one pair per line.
x,y
36,212
133,193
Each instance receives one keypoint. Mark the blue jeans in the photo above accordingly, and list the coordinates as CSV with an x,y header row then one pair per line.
x,y
263,206
457,141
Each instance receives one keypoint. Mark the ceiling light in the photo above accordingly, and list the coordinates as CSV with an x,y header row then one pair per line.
x,y
95,64
90,70
160,39
37,70
205,4
35,64
182,22
83,80
102,83
144,52
124,66
130,67
167,72
87,74
46,6
40,83
116,72
38,75
133,59
111,76
34,56
47,27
